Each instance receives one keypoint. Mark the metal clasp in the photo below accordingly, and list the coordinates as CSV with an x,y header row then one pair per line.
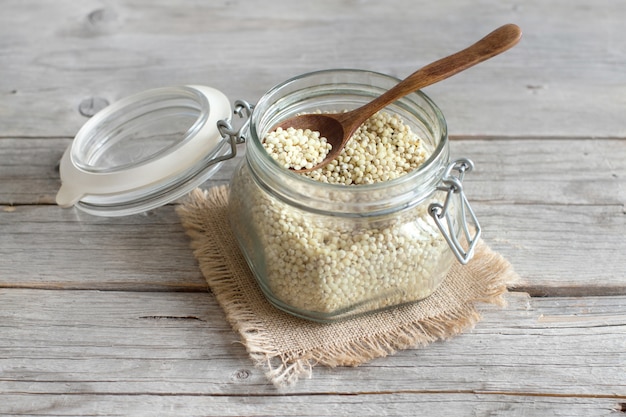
x,y
243,109
452,184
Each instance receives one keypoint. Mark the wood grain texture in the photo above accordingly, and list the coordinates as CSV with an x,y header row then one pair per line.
x,y
565,171
556,249
365,405
111,317
554,208
97,343
562,79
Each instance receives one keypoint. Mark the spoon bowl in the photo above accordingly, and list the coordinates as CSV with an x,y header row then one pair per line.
x,y
338,128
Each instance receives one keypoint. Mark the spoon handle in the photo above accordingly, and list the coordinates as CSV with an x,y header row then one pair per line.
x,y
491,45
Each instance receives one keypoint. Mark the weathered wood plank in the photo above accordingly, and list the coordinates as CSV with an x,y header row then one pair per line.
x,y
556,249
539,171
116,343
29,170
545,171
48,247
363,405
560,250
58,55
554,208
130,328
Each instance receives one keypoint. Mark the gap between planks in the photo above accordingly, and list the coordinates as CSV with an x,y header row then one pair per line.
x,y
339,394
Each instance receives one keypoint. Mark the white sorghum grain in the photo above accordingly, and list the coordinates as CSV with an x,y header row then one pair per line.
x,y
381,149
296,148
327,264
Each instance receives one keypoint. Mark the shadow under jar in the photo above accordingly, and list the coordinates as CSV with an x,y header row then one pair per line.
x,y
326,252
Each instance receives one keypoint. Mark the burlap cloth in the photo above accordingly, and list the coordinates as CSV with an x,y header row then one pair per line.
x,y
286,347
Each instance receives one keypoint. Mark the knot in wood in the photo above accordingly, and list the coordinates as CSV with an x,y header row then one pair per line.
x,y
92,105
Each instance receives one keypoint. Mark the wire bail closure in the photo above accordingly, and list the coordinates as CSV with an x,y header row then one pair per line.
x,y
452,184
243,109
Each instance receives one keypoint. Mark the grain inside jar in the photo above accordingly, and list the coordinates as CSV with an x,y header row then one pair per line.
x,y
325,264
381,149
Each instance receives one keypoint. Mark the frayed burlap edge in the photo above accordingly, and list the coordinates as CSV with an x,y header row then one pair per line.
x,y
283,368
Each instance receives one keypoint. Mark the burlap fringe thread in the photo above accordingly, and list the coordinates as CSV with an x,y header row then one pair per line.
x,y
284,366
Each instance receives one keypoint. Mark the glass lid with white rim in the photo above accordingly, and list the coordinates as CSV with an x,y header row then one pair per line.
x,y
144,151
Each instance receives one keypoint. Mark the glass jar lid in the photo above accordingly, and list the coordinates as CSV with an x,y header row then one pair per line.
x,y
144,151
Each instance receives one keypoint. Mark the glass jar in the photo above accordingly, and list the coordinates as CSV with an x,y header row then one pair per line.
x,y
319,251
326,252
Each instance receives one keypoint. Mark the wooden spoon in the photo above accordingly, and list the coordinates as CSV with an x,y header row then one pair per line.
x,y
338,128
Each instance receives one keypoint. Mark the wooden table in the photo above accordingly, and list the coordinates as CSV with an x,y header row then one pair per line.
x,y
112,316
